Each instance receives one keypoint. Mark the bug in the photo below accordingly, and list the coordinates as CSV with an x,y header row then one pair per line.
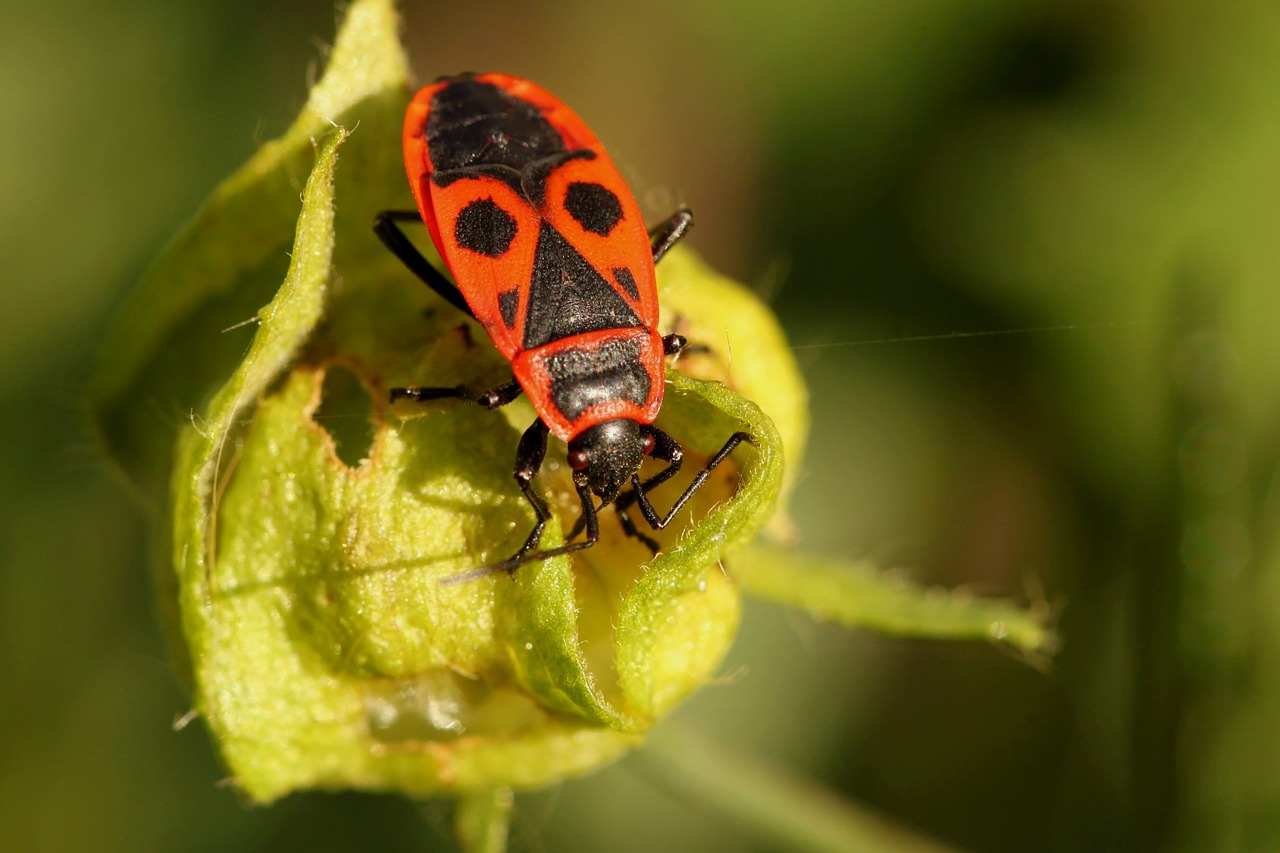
x,y
552,257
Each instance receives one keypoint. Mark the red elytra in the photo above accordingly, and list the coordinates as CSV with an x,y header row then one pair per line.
x,y
551,256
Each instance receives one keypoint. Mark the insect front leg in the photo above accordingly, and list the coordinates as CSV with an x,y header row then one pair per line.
x,y
589,517
638,489
665,449
629,528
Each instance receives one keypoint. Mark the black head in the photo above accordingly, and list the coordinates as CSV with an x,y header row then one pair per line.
x,y
609,452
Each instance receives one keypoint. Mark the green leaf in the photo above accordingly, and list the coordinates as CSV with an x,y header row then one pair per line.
x,y
185,327
684,589
862,595
205,456
748,352
333,647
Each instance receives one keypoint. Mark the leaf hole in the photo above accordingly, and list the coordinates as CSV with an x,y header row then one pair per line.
x,y
346,414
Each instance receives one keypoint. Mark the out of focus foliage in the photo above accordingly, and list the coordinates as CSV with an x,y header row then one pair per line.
x,y
1098,178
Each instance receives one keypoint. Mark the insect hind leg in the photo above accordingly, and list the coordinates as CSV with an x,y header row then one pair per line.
x,y
384,225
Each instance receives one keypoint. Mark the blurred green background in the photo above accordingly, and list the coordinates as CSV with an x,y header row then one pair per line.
x,y
1099,179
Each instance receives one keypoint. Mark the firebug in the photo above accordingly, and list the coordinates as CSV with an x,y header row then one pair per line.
x,y
551,256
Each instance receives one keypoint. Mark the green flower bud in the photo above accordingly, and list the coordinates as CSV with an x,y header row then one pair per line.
x,y
315,567
321,604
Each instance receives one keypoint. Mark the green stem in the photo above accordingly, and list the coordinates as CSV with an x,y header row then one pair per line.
x,y
481,820
793,811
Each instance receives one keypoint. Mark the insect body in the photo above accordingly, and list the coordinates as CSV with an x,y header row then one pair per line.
x,y
551,256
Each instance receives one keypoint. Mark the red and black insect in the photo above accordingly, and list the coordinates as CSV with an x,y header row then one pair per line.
x,y
551,256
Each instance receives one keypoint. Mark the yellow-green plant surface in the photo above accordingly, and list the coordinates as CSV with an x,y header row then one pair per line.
x,y
321,606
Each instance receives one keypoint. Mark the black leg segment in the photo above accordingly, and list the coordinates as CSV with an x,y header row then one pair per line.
x,y
492,399
629,528
666,449
638,489
666,235
674,344
529,455
384,225
588,514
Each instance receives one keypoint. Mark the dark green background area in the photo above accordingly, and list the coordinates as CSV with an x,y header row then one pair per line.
x,y
1100,179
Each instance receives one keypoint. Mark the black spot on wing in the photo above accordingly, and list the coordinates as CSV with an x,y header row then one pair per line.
x,y
568,296
485,228
508,302
627,281
593,206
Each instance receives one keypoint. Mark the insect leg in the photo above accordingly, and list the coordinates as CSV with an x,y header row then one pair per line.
x,y
666,449
529,455
629,528
674,344
638,488
666,235
384,225
592,524
491,399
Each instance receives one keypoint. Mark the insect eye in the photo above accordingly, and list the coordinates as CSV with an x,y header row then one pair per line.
x,y
578,459
647,443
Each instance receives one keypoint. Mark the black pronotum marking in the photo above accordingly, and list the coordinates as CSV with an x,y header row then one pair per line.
x,y
508,302
568,296
485,228
580,378
476,129
471,123
594,206
626,281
